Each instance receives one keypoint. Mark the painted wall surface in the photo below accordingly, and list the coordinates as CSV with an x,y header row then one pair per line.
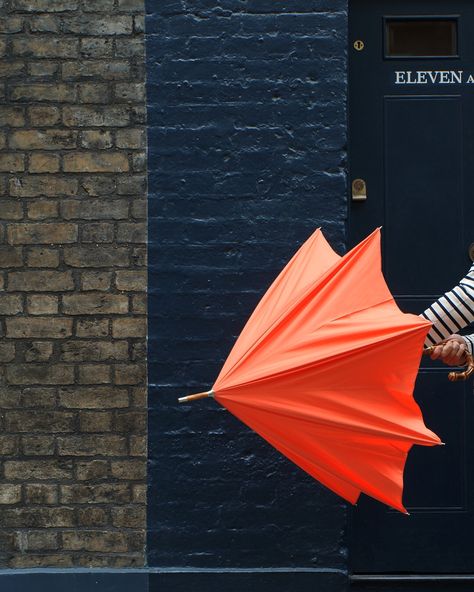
x,y
247,149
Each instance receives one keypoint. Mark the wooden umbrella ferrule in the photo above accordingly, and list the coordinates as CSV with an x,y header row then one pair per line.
x,y
195,397
457,376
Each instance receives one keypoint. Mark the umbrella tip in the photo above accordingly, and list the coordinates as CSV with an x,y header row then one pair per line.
x,y
195,397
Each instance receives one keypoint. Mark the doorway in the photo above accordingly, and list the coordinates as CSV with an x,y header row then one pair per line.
x,y
411,129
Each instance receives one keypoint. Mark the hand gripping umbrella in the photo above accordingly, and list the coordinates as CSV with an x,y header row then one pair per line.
x,y
325,368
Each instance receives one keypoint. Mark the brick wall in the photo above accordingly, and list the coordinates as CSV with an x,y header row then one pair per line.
x,y
73,280
247,140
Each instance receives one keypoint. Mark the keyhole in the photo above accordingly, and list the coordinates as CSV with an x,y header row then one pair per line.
x,y
359,45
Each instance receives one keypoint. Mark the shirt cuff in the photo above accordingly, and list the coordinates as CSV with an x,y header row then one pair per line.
x,y
469,340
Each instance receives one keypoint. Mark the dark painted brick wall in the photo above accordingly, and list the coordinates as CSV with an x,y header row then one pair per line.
x,y
247,148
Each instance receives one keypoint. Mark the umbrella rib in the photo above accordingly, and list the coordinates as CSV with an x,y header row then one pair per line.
x,y
323,281
340,356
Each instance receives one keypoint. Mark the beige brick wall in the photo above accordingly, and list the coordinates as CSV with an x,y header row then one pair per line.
x,y
73,283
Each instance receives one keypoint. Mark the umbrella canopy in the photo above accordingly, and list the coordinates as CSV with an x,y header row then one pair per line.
x,y
325,368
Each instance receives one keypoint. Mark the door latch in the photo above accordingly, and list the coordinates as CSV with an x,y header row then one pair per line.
x,y
359,190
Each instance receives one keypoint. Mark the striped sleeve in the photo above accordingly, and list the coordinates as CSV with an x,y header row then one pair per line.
x,y
452,312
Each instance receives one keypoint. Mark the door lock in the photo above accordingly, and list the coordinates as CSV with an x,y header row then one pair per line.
x,y
359,190
359,45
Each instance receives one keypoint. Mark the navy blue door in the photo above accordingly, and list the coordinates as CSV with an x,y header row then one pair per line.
x,y
412,144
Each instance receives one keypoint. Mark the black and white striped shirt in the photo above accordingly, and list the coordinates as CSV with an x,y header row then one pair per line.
x,y
452,312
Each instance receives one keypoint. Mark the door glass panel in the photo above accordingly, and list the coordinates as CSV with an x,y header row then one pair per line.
x,y
420,37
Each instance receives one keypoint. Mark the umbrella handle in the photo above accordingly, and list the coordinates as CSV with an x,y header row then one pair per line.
x,y
195,397
456,376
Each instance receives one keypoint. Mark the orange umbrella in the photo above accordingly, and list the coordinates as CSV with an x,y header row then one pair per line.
x,y
324,370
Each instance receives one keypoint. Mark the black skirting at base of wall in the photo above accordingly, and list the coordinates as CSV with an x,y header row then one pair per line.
x,y
413,583
172,580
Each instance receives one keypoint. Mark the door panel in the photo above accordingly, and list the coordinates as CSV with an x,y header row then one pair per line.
x,y
411,139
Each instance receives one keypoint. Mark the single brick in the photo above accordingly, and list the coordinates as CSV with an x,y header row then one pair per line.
x,y
10,304
96,69
38,445
138,446
131,5
45,47
43,115
99,185
42,185
42,209
94,25
95,304
92,328
92,445
39,421
53,93
96,139
139,304
138,256
103,256
92,470
52,139
33,234
133,92
8,445
40,540
130,138
38,517
139,161
99,494
98,397
129,517
42,257
9,397
38,397
131,281
96,47
39,374
96,280
39,351
129,469
12,162
129,373
139,208
42,560
103,542
132,185
100,232
87,351
94,374
99,6
130,422
38,469
130,327
40,281
11,24
11,210
44,5
92,421
11,257
78,116
41,493
23,327
95,209
95,162
139,396
92,517
44,24
7,352
39,304
130,47
139,494
42,68
12,116
94,92
12,69
9,493
132,232
44,163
